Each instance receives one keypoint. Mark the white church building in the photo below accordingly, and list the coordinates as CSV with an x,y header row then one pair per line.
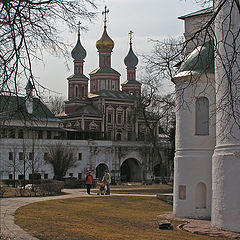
x,y
207,157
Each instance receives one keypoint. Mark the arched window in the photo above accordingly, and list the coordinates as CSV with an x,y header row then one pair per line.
x,y
83,91
201,195
202,116
76,91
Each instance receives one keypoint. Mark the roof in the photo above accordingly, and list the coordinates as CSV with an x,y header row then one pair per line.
x,y
14,107
112,94
197,13
104,70
77,76
200,60
85,110
132,82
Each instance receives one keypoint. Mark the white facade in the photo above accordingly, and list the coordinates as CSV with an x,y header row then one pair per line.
x,y
207,163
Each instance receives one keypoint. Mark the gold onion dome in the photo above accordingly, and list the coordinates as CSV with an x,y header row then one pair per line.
x,y
105,42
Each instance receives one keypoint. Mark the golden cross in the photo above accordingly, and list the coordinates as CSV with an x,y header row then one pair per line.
x,y
105,17
131,33
79,30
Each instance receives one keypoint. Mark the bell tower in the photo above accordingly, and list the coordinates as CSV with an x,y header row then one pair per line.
x,y
78,82
131,86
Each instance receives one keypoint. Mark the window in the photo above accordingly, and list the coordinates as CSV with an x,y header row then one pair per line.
x,y
76,91
79,156
70,174
21,177
10,155
49,134
45,157
45,176
31,156
202,116
20,133
40,134
109,135
10,176
79,175
119,118
109,117
130,136
20,156
11,133
83,91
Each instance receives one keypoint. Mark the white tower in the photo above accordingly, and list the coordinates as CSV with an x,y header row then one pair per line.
x,y
195,134
226,159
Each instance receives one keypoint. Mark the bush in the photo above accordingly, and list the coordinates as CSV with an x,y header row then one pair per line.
x,y
49,187
73,182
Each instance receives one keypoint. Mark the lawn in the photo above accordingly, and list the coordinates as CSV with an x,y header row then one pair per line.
x,y
99,218
143,189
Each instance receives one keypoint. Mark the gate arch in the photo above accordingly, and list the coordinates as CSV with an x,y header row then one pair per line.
x,y
100,169
131,170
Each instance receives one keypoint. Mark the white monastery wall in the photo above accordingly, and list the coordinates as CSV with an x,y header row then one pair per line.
x,y
192,163
226,159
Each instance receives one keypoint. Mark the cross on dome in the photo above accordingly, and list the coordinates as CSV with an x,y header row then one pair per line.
x,y
105,12
131,33
79,23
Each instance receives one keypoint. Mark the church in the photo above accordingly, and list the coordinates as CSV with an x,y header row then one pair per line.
x,y
103,126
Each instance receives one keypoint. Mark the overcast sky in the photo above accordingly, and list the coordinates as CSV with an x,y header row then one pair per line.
x,y
148,19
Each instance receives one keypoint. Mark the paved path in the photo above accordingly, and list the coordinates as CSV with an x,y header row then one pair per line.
x,y
8,206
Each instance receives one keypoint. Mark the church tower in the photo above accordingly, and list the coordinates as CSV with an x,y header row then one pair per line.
x,y
78,82
104,77
131,86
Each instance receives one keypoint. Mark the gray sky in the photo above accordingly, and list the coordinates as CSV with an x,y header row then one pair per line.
x,y
148,19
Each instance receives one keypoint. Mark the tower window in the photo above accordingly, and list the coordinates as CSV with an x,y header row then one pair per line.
x,y
202,116
109,118
83,91
76,91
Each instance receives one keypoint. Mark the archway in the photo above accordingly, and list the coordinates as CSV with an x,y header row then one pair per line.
x,y
131,171
157,170
100,169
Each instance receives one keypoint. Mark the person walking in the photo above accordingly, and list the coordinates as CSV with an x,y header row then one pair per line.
x,y
89,181
107,180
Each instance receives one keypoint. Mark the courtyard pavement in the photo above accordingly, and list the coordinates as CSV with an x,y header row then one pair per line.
x,y
10,231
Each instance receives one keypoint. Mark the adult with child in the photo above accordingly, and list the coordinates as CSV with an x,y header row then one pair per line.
x,y
89,181
107,180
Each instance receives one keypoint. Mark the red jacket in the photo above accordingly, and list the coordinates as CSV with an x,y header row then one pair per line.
x,y
89,178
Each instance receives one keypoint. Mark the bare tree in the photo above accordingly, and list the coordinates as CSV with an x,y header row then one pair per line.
x,y
206,39
157,111
56,104
29,27
61,157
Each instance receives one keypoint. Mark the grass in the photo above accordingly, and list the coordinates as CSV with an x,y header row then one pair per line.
x,y
99,218
143,189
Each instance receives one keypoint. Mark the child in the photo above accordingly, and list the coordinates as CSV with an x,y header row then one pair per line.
x,y
102,189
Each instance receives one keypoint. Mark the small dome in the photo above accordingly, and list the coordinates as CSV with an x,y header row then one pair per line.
x,y
131,59
78,52
105,42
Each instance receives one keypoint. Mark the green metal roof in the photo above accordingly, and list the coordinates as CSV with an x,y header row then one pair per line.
x,y
77,76
14,107
132,82
104,70
85,110
200,60
197,13
113,94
